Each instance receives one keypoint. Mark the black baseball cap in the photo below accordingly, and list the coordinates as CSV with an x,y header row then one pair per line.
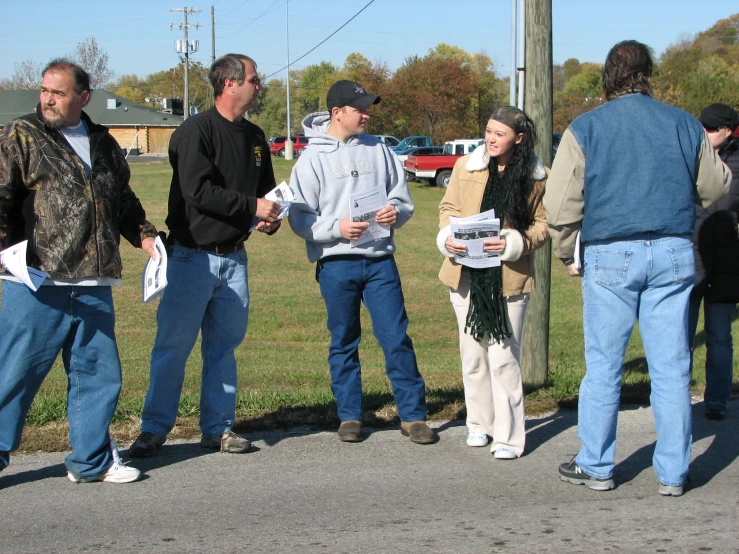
x,y
349,93
718,115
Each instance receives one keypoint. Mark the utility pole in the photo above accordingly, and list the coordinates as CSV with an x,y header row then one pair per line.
x,y
288,142
212,49
184,46
212,34
538,105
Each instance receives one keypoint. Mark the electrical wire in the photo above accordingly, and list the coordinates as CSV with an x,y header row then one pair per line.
x,y
320,43
265,12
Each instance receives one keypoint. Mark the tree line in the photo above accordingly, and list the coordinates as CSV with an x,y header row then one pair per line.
x,y
446,94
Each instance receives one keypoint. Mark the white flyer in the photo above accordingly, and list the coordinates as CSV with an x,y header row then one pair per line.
x,y
579,254
363,206
283,195
14,260
154,278
472,231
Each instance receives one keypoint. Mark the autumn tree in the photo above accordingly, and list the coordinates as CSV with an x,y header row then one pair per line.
x,y
92,59
171,84
433,96
271,111
697,71
582,92
27,76
309,94
374,78
132,88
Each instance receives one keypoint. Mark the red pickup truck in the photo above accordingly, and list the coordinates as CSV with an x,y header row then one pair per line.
x,y
437,169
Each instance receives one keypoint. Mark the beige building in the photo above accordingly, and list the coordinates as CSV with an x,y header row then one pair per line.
x,y
139,129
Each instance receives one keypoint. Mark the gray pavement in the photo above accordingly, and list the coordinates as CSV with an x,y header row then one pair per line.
x,y
304,491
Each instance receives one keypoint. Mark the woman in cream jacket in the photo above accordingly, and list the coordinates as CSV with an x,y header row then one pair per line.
x,y
504,174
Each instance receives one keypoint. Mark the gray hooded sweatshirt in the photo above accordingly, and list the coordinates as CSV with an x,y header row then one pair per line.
x,y
327,173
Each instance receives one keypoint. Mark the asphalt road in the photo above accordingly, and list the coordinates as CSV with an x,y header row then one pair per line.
x,y
304,491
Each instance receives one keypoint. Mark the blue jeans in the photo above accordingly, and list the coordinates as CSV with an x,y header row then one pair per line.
x,y
78,322
207,293
647,277
346,282
717,320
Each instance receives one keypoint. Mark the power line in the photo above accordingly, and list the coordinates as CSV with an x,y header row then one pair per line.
x,y
320,43
265,12
236,8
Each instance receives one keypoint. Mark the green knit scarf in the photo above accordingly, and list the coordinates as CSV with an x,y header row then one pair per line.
x,y
487,313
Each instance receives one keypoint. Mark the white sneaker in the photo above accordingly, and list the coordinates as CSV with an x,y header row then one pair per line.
x,y
477,439
504,454
119,472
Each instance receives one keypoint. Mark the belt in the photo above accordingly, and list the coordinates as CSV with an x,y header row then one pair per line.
x,y
222,249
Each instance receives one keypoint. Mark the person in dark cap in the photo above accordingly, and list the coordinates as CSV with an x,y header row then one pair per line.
x,y
490,303
716,249
626,178
355,256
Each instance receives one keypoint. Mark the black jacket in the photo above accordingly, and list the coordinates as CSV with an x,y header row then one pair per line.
x,y
219,169
716,239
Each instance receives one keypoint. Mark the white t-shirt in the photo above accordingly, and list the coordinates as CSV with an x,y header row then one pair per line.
x,y
79,139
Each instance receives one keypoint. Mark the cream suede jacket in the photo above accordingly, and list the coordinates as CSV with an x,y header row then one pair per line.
x,y
464,198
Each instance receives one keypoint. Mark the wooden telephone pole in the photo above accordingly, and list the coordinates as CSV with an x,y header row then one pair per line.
x,y
538,105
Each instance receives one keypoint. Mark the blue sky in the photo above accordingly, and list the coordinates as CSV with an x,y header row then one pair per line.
x,y
137,36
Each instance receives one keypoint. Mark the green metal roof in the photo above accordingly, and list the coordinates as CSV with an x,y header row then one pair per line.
x,y
16,103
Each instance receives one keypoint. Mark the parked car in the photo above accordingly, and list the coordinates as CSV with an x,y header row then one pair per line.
x,y
420,151
277,146
437,169
412,142
389,140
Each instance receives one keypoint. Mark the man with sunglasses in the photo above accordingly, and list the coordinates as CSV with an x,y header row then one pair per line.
x,y
221,170
716,248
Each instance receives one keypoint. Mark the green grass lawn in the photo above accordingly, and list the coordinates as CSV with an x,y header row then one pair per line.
x,y
283,372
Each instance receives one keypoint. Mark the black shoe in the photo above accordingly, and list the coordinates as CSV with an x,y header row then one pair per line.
x,y
715,412
145,445
572,473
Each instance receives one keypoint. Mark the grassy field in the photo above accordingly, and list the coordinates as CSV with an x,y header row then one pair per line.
x,y
283,373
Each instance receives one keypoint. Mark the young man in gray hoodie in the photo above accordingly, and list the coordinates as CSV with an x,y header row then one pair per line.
x,y
342,160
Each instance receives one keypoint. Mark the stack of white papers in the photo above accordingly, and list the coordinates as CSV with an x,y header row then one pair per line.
x,y
283,195
472,231
154,277
364,207
14,260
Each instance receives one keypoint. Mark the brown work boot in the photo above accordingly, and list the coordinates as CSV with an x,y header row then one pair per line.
x,y
418,431
228,442
350,431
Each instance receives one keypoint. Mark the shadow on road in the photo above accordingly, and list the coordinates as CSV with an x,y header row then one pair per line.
x,y
722,451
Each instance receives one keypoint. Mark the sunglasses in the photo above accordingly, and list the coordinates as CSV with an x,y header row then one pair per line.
x,y
256,81
710,129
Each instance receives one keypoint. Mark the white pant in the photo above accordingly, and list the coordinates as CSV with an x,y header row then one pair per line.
x,y
493,390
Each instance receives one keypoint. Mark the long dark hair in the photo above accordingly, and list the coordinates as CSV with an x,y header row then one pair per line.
x,y
519,213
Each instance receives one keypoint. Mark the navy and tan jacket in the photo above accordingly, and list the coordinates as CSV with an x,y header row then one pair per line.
x,y
72,221
631,166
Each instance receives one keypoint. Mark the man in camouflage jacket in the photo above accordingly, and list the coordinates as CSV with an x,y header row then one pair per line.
x,y
64,188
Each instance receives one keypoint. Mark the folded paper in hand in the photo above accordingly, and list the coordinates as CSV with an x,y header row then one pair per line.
x,y
154,278
14,260
363,206
283,195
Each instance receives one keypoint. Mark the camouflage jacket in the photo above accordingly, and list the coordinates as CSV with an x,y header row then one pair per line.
x,y
73,222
